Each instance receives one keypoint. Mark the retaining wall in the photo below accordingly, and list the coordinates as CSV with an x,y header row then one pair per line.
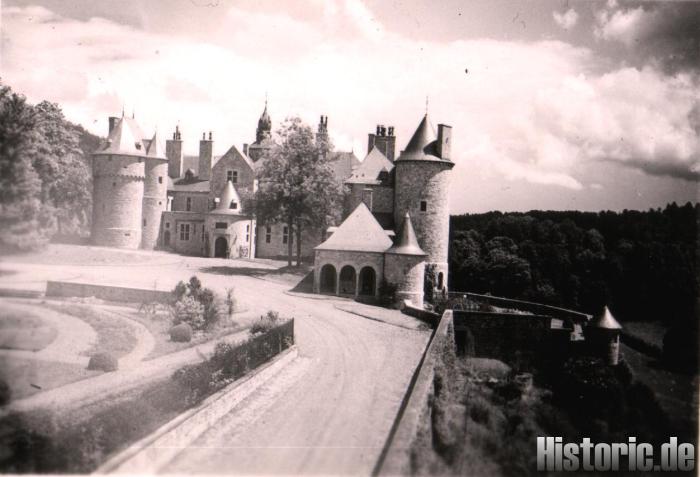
x,y
106,292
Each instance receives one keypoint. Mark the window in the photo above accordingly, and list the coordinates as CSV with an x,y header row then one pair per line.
x,y
185,232
220,225
232,176
285,234
268,234
160,179
167,225
144,222
423,206
247,233
234,205
188,204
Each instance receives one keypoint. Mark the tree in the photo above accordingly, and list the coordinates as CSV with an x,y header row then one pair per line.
x,y
24,221
296,183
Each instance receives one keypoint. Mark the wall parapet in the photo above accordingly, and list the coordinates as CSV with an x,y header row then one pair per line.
x,y
106,292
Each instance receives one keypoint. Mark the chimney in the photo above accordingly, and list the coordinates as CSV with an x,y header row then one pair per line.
x,y
391,130
112,123
444,142
173,151
245,148
205,151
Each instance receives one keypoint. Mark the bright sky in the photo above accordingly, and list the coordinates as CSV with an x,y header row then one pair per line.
x,y
554,104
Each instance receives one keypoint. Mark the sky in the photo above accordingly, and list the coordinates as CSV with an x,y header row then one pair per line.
x,y
557,105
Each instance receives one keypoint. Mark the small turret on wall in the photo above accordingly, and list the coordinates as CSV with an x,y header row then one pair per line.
x,y
603,337
405,265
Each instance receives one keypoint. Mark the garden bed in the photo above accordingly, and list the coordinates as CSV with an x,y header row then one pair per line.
x,y
78,442
20,330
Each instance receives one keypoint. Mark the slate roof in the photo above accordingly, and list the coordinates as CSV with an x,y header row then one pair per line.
x,y
234,151
156,148
368,171
343,163
184,185
422,145
125,139
605,321
406,243
359,232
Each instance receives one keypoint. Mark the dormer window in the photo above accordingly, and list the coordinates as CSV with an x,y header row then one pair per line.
x,y
234,205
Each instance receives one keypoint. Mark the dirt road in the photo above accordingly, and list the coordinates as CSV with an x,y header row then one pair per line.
x,y
327,413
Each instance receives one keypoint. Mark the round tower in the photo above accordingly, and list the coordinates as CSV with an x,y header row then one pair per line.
x,y
422,185
118,183
155,192
404,265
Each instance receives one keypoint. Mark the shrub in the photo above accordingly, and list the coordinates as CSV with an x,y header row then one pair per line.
x,y
180,291
190,311
266,323
387,293
103,361
181,333
5,393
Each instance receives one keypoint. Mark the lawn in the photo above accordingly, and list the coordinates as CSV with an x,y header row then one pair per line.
x,y
20,330
113,336
63,254
30,376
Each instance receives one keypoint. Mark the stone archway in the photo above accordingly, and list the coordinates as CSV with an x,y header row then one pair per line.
x,y
368,281
221,247
328,276
348,281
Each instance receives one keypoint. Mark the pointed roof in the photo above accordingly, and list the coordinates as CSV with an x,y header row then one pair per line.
x,y
265,122
406,242
229,195
423,144
605,321
156,148
343,163
232,152
368,170
360,232
125,139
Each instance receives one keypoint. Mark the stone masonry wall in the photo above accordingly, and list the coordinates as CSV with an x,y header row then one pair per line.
x,y
339,259
382,198
154,201
407,272
277,248
104,292
200,201
118,183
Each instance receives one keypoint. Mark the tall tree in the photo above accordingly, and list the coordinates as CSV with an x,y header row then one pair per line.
x,y
297,186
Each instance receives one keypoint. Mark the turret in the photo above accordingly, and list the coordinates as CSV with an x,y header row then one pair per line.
x,y
205,153
405,265
422,183
603,337
155,191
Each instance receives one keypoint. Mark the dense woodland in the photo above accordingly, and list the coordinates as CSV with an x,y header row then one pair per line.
x,y
45,173
643,265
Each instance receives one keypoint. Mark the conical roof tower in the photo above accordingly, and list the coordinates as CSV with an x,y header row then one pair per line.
x,y
406,241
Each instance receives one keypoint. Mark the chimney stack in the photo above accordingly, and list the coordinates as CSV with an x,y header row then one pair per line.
x,y
386,143
173,151
444,142
205,153
112,123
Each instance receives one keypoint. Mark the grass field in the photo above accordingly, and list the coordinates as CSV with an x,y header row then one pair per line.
x,y
23,331
30,376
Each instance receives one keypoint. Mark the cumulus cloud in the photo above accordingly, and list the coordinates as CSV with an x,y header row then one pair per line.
x,y
525,112
566,20
665,33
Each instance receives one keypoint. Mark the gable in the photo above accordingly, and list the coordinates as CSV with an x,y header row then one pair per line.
x,y
233,159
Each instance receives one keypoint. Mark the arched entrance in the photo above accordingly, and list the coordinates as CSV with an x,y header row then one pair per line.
x,y
347,281
368,281
221,247
328,279
166,238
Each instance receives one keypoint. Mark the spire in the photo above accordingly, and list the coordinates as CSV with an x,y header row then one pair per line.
x,y
422,141
406,241
229,196
605,321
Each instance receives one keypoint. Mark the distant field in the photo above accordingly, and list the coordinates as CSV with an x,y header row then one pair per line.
x,y
23,331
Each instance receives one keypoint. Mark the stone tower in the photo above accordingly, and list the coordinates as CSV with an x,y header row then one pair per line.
x,y
422,183
155,192
405,265
118,184
384,140
173,151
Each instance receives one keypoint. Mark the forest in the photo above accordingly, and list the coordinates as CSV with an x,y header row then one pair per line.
x,y
642,264
45,174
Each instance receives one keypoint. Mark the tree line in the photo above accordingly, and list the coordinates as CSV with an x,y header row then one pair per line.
x,y
45,173
643,265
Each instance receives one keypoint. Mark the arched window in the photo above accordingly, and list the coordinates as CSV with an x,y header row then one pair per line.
x,y
347,281
328,277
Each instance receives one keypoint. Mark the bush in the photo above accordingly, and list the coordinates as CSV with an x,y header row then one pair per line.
x,y
190,311
181,333
5,393
266,323
103,361
387,293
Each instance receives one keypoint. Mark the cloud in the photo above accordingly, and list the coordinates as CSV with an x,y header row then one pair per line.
x,y
525,113
566,20
665,33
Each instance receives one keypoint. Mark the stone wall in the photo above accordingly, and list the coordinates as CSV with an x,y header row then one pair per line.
x,y
382,198
104,292
427,181
276,248
194,245
155,190
118,184
232,161
407,272
200,201
239,227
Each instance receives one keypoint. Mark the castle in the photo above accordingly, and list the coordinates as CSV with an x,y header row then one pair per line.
x,y
145,197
